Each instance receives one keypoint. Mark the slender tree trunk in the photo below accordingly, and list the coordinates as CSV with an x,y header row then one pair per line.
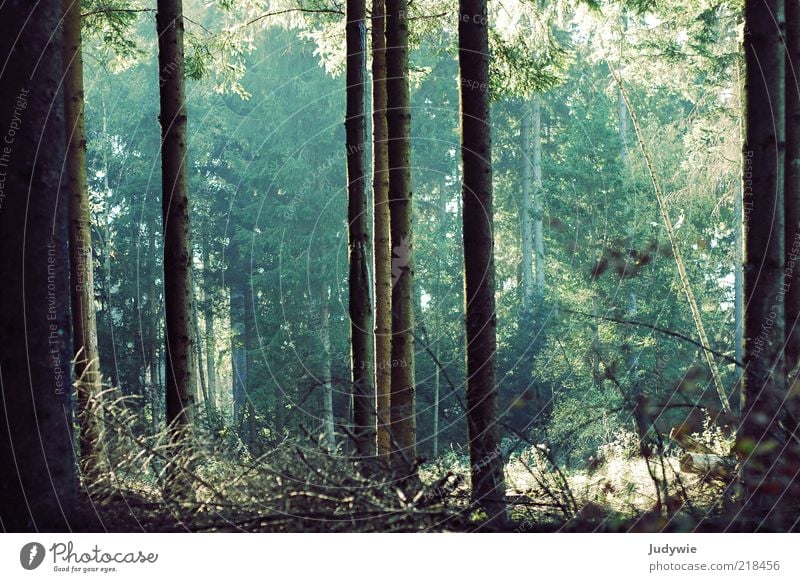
x,y
738,298
249,359
210,339
201,376
175,207
673,241
622,126
381,217
155,326
438,322
154,389
38,485
622,116
359,305
527,212
238,350
84,322
738,252
538,237
251,427
329,429
398,117
488,484
764,261
113,369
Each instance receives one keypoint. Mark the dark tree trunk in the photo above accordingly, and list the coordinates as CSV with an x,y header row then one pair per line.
x,y
792,204
84,322
488,486
175,207
381,217
398,118
38,484
764,386
357,216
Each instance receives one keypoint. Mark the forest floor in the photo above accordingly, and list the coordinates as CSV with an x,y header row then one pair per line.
x,y
148,484
299,490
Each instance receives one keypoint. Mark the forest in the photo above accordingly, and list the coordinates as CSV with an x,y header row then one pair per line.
x,y
395,266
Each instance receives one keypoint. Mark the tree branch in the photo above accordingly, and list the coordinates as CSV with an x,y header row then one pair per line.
x,y
662,330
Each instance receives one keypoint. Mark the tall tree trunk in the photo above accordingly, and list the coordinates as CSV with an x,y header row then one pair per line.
x,y
437,381
764,262
792,206
738,252
113,369
357,216
527,211
38,486
622,128
175,208
201,376
84,322
488,484
210,339
383,248
154,329
538,238
325,377
398,118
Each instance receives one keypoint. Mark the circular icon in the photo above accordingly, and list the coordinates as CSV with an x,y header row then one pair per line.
x,y
31,555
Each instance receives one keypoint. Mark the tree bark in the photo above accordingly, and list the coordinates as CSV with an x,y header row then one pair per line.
x,y
488,485
398,118
359,293
84,322
175,208
38,486
792,206
764,260
383,248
